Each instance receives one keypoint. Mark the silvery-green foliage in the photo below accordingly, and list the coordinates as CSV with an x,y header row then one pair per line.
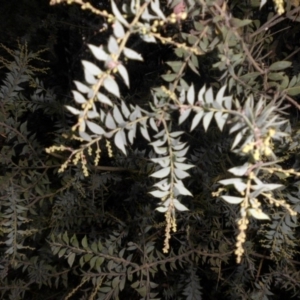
x,y
255,124
213,154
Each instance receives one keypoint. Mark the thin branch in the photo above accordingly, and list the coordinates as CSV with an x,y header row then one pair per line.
x,y
292,101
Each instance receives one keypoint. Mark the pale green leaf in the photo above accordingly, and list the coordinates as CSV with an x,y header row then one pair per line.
x,y
144,132
220,119
73,110
180,174
284,83
176,134
161,173
117,13
111,86
207,119
124,74
60,254
201,94
236,127
276,76
237,139
169,77
131,134
93,262
160,142
99,53
135,284
148,17
160,150
122,283
148,38
237,182
192,65
232,200
134,5
71,259
131,54
191,95
78,97
293,91
162,161
117,115
179,206
240,170
293,81
91,68
109,122
92,114
85,136
197,118
120,141
153,124
105,289
95,128
266,186
184,115
209,96
161,134
125,109
159,194
183,166
181,153
163,185
162,209
240,23
136,113
155,7
104,99
65,237
182,189
258,214
179,147
113,46
220,95
89,78
227,102
115,282
280,65
82,87
118,30
84,242
175,65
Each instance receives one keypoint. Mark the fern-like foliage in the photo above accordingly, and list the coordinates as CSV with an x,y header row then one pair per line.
x,y
186,193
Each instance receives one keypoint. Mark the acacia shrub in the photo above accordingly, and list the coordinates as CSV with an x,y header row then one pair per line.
x,y
122,228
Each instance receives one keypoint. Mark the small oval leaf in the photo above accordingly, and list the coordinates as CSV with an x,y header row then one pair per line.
x,y
111,86
232,199
280,65
161,173
131,54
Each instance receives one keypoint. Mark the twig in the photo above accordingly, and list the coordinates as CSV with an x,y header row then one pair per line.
x,y
292,101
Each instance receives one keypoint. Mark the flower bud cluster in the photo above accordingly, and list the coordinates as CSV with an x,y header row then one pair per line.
x,y
55,148
109,149
168,218
84,163
280,202
262,146
241,238
97,158
279,4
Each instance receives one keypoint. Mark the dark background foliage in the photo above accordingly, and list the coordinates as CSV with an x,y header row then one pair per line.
x,y
65,236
